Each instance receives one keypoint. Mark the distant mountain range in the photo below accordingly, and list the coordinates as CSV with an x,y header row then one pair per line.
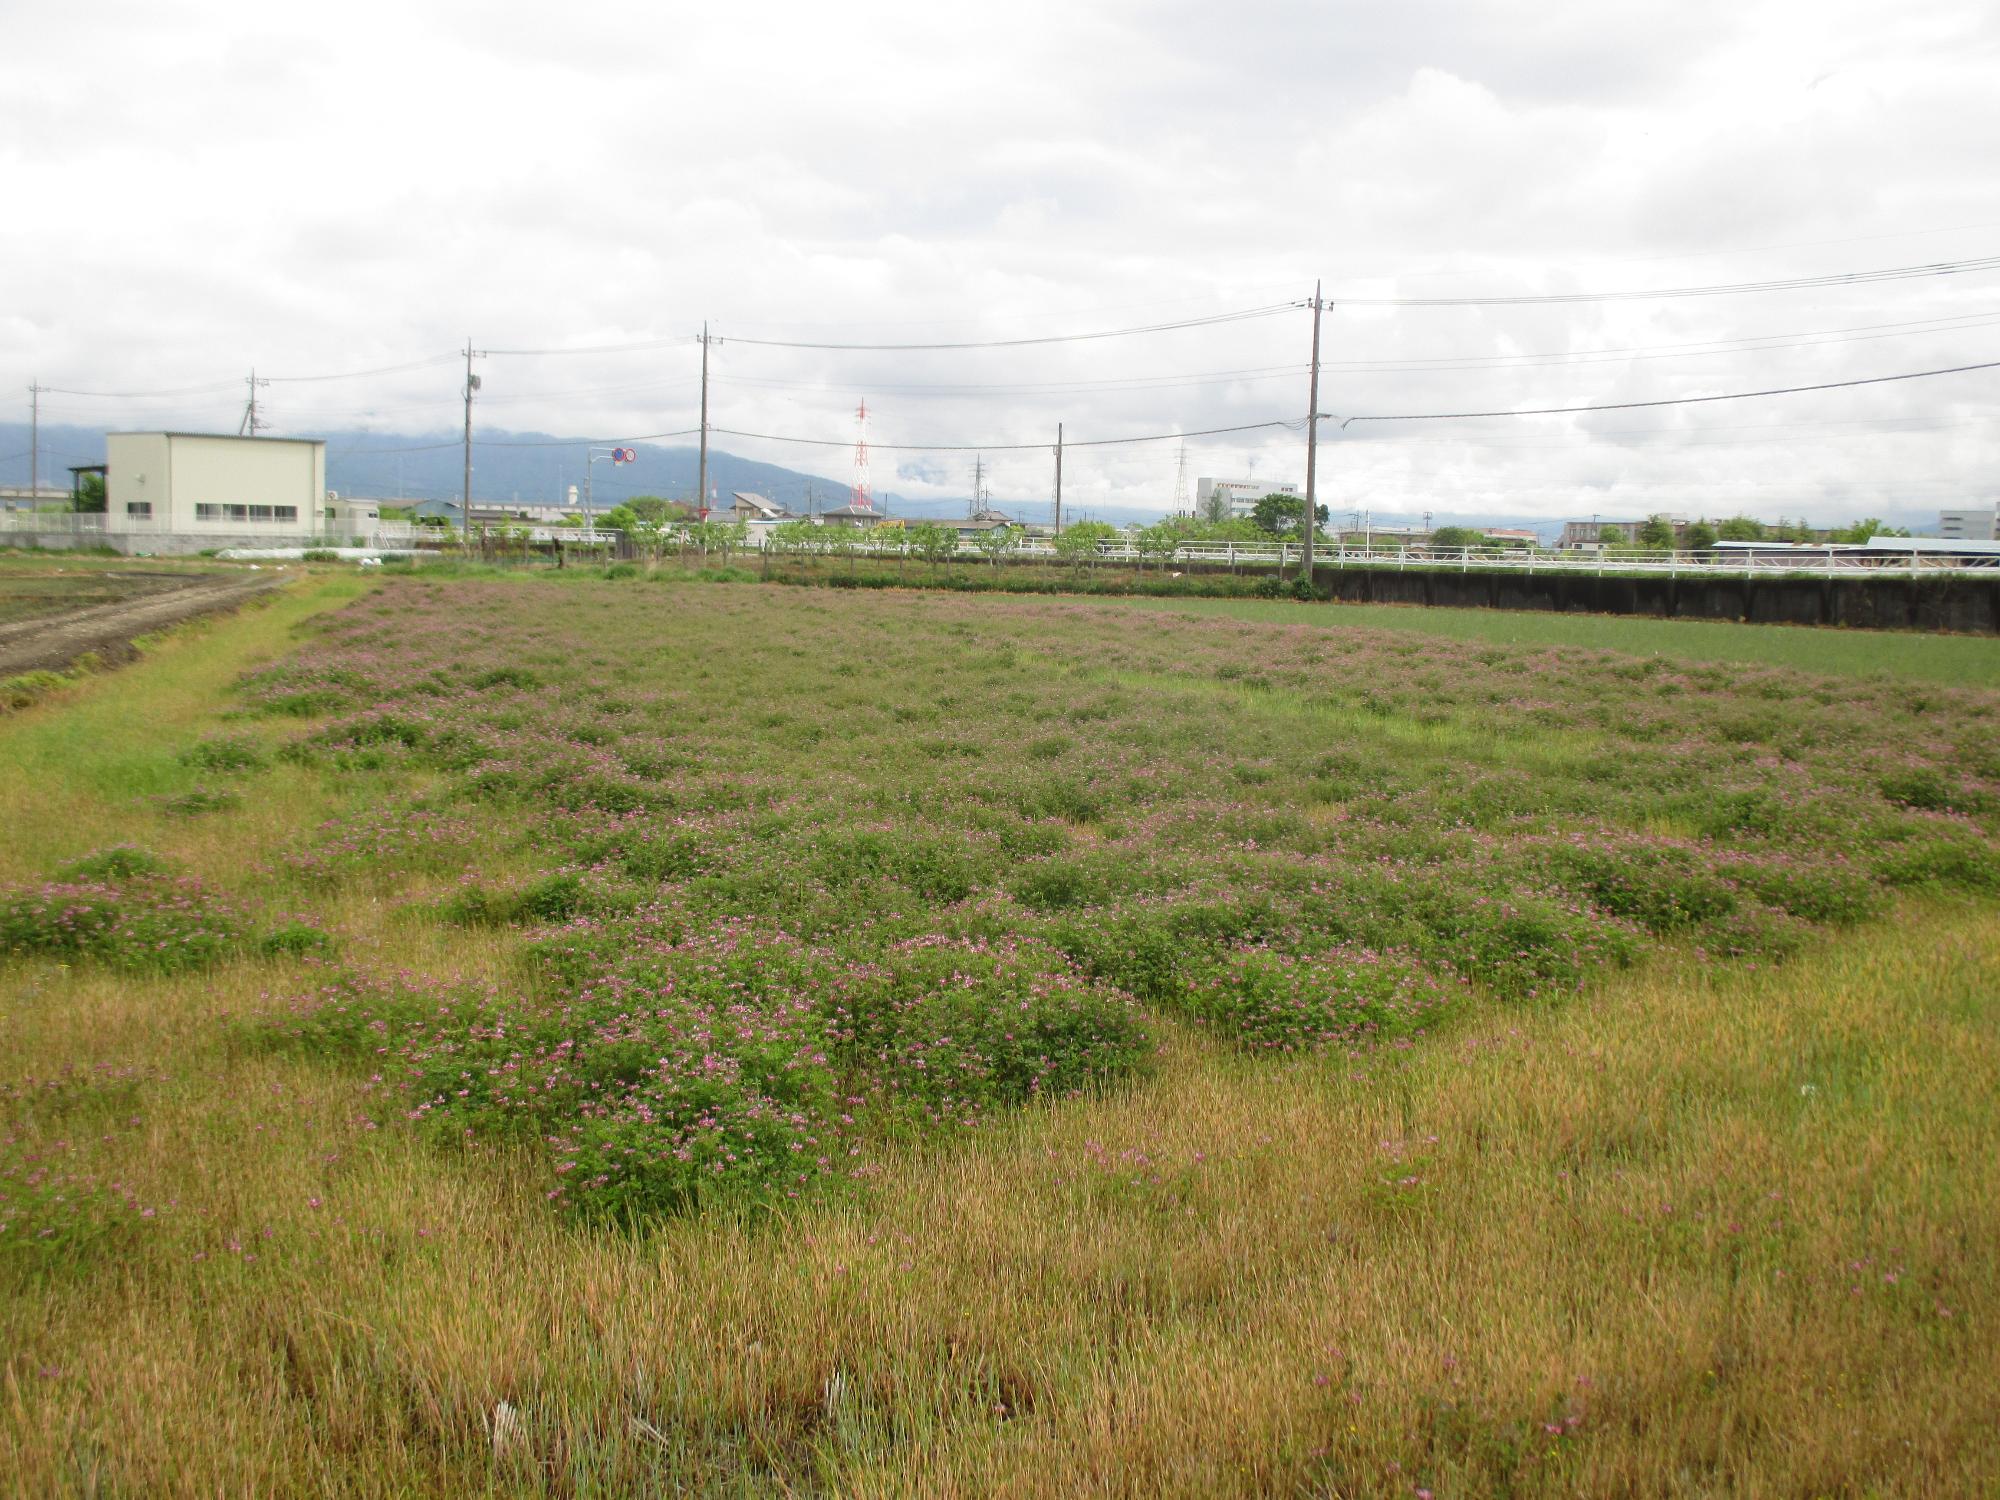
x,y
531,467
538,467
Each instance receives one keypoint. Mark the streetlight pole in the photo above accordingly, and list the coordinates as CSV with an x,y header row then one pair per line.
x,y
591,456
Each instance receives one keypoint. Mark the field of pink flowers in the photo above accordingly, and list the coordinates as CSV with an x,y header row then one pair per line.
x,y
794,875
771,893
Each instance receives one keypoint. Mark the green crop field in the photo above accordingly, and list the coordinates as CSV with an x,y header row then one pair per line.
x,y
620,1036
1965,661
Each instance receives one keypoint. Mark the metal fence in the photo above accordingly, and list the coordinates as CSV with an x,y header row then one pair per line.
x,y
1828,562
1812,561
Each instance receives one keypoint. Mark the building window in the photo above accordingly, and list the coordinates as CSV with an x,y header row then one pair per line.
x,y
139,510
207,512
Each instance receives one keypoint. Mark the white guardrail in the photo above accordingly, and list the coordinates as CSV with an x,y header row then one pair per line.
x,y
1825,562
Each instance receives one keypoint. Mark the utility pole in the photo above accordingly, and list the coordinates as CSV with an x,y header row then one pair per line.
x,y
701,497
471,385
250,423
1312,447
34,444
978,484
1059,428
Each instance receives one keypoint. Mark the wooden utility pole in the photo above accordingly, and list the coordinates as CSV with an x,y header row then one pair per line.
x,y
701,495
1312,447
1059,428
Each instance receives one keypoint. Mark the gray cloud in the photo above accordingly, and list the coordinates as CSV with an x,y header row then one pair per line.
x,y
322,190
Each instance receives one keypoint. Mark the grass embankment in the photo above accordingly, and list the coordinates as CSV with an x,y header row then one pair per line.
x,y
1972,661
1706,1226
94,761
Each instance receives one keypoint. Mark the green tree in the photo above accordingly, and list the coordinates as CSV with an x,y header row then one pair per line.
x,y
794,536
1157,542
1282,515
1457,536
1215,509
998,541
1657,532
1078,544
1700,536
932,542
90,496
1860,531
1740,529
653,508
1611,536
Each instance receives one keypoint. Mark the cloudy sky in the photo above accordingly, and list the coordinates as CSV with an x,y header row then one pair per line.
x,y
315,190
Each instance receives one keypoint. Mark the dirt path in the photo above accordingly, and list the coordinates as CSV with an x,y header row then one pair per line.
x,y
51,642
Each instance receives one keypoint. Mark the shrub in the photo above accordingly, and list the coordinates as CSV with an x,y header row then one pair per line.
x,y
1925,789
146,923
199,800
225,753
110,866
1346,997
954,1028
296,939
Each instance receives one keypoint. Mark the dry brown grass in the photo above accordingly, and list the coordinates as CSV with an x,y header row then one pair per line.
x,y
1727,1235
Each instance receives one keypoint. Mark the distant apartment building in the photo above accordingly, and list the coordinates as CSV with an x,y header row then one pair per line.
x,y
1240,495
1588,535
1977,525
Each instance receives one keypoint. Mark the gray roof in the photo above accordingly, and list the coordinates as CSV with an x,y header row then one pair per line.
x,y
233,437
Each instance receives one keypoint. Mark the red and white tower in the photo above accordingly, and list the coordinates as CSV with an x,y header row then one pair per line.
x,y
860,499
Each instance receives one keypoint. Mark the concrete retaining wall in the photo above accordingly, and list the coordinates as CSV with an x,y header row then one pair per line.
x,y
1966,604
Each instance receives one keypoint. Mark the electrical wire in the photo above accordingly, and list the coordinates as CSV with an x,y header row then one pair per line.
x,y
1053,338
875,447
1787,390
210,389
415,364
1720,289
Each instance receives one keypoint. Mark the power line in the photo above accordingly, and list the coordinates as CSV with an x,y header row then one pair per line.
x,y
1720,289
665,343
415,364
1550,411
1750,344
1151,437
1105,384
1052,338
194,390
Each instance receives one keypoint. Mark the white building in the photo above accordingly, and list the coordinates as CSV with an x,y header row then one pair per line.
x,y
350,515
1970,525
1241,495
212,486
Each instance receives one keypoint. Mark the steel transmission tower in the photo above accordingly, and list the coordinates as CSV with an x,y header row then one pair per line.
x,y
860,499
1180,483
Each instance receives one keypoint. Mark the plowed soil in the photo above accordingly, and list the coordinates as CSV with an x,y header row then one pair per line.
x,y
53,636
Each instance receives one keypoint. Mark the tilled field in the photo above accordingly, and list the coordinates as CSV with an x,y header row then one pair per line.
x,y
48,620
